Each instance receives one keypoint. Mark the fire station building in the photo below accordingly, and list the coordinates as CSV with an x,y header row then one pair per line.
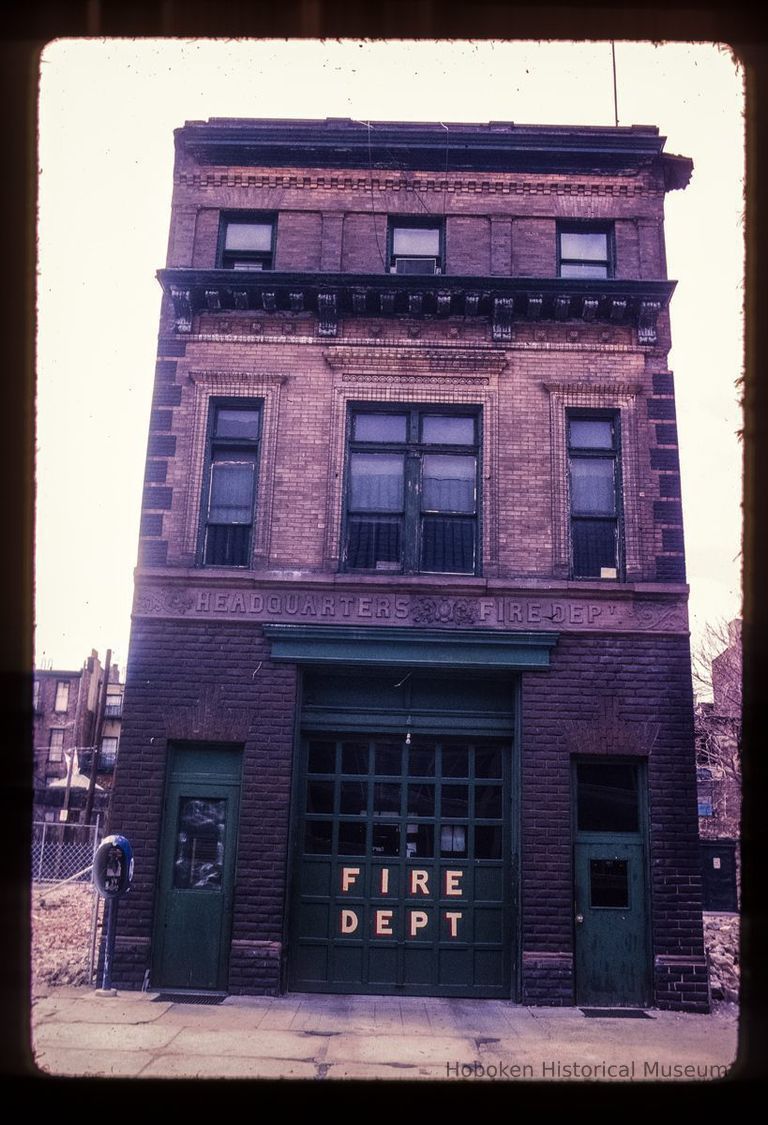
x,y
408,704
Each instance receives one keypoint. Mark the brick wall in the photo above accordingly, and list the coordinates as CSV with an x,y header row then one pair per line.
x,y
621,695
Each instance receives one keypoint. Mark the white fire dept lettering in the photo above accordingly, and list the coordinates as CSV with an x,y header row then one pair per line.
x,y
417,922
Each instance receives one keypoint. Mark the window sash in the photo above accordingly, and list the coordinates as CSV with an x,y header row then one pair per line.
x,y
61,703
412,506
415,242
56,745
230,497
253,236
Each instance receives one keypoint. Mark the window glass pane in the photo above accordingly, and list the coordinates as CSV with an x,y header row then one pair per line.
x,y
455,800
234,423
322,757
488,841
456,761
386,798
381,427
442,429
416,240
421,763
448,545
594,546
453,840
590,433
56,745
488,762
320,797
318,836
376,482
421,800
248,236
373,544
386,839
488,801
585,245
62,696
354,757
231,492
354,797
199,843
388,758
609,883
607,798
420,841
582,269
448,483
351,838
593,486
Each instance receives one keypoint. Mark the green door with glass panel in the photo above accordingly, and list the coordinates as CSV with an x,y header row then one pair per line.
x,y
612,943
197,865
401,872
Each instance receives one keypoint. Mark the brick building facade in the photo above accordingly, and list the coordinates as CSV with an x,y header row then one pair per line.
x,y
65,715
408,703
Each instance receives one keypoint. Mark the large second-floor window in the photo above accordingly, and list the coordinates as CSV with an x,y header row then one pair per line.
x,y
411,496
230,486
594,471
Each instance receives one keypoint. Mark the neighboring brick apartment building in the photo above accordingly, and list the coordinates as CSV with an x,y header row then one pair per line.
x,y
65,707
408,701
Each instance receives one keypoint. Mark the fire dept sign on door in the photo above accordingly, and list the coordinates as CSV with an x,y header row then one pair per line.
x,y
418,887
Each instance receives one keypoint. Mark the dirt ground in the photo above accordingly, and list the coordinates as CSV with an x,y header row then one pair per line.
x,y
61,934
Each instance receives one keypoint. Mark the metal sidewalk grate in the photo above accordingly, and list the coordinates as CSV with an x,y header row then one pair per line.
x,y
189,997
616,1014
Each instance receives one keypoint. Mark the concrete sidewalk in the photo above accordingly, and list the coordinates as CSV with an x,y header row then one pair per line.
x,y
77,1032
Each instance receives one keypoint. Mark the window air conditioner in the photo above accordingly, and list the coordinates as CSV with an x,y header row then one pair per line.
x,y
416,265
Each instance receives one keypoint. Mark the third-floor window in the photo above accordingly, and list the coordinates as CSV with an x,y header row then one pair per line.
x,y
247,242
584,250
415,246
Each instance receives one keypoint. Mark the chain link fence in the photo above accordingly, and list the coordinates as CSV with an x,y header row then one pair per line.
x,y
63,851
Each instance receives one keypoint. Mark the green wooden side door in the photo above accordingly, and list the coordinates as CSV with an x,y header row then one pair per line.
x,y
401,872
197,866
611,928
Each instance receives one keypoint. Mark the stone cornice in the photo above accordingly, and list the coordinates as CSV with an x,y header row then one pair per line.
x,y
498,300
458,146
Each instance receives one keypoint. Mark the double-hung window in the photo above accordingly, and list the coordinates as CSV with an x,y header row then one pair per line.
x,y
229,496
594,473
415,246
584,250
56,744
61,703
411,497
247,242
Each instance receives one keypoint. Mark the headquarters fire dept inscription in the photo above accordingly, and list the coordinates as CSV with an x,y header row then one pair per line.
x,y
304,606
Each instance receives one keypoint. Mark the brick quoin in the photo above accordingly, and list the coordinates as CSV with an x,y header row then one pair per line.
x,y
302,346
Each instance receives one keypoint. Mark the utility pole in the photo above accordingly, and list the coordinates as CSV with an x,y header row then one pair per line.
x,y
97,738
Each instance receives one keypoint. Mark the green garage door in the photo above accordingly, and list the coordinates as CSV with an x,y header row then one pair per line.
x,y
402,873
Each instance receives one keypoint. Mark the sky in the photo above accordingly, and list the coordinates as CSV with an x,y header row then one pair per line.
x,y
108,109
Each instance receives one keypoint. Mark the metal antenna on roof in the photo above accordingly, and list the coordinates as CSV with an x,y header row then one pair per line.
x,y
615,99
370,183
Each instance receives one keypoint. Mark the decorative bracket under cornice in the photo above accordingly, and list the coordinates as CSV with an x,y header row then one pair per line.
x,y
500,300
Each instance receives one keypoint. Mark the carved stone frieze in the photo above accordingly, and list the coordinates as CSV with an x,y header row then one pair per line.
x,y
562,612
